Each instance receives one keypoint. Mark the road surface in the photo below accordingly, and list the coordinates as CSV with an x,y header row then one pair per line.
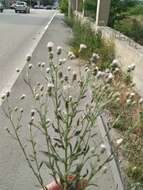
x,y
18,34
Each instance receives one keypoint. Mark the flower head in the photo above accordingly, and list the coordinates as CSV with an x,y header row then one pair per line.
x,y
28,57
17,70
119,141
95,57
50,46
102,148
22,97
59,50
82,47
115,62
71,55
131,67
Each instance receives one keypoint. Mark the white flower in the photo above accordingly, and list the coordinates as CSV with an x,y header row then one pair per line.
x,y
70,98
102,148
39,64
37,97
47,69
82,47
107,71
41,87
43,64
69,68
132,95
28,57
119,141
59,50
100,74
110,76
128,101
48,120
71,55
94,58
141,101
30,66
50,46
3,96
17,70
32,112
21,110
115,62
66,87
50,85
15,109
131,67
22,97
116,70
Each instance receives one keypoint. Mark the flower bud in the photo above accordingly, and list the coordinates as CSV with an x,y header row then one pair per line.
x,y
50,46
59,50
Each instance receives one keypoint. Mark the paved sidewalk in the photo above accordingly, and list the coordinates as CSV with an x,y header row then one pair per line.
x,y
14,172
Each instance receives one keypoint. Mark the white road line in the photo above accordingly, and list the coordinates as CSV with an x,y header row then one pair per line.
x,y
9,86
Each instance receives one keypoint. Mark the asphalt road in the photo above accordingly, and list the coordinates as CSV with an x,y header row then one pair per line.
x,y
18,34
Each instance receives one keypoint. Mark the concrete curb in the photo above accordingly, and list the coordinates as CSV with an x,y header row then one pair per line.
x,y
31,51
103,127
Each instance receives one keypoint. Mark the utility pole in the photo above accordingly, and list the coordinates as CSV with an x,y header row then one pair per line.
x,y
69,8
102,13
83,9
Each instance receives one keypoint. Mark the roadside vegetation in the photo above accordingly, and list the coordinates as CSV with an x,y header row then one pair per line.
x,y
83,34
127,17
128,107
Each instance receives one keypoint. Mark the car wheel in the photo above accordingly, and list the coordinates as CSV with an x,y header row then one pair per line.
x,y
1,10
15,11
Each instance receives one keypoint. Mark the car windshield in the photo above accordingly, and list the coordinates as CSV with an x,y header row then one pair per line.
x,y
20,3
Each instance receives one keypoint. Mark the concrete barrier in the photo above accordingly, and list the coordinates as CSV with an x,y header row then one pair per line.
x,y
126,51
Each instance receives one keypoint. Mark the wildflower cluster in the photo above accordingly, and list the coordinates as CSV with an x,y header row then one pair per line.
x,y
66,104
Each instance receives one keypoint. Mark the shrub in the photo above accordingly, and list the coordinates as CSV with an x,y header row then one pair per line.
x,y
83,34
63,4
90,8
132,28
136,10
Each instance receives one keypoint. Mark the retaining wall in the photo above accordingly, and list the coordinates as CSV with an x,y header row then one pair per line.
x,y
126,51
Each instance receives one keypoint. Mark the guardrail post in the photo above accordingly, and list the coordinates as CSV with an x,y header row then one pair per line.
x,y
102,13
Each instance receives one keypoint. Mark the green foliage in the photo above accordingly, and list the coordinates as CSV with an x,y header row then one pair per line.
x,y
132,28
136,173
116,11
136,10
90,8
83,34
120,9
63,5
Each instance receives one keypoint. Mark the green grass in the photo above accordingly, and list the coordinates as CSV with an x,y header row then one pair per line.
x,y
132,28
136,10
83,34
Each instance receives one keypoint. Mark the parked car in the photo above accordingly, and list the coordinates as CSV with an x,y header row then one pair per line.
x,y
48,7
12,6
1,7
22,6
38,7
